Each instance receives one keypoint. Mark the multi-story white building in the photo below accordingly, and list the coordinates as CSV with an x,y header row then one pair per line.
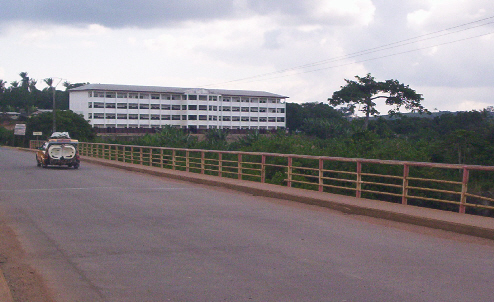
x,y
126,106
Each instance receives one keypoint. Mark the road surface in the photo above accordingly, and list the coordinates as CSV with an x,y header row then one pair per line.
x,y
102,234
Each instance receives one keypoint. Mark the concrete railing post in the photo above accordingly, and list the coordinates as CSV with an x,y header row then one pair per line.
x,y
220,164
406,171
263,168
321,175
359,180
289,172
464,189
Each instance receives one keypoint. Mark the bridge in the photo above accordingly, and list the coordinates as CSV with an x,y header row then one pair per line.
x,y
114,231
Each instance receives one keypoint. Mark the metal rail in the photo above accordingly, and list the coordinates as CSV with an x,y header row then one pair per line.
x,y
416,183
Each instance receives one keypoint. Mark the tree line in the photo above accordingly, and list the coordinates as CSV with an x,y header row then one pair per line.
x,y
23,95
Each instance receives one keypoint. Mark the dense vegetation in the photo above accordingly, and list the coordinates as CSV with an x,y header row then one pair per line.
x,y
23,95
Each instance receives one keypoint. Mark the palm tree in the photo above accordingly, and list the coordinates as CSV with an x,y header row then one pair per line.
x,y
49,82
24,81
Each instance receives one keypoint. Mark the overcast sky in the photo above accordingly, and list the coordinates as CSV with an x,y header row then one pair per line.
x,y
303,49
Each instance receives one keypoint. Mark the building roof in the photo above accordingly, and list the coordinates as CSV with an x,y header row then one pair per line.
x,y
158,89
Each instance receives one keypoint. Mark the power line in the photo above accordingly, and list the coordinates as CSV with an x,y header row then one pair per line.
x,y
401,43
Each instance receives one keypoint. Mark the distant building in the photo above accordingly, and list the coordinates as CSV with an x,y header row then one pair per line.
x,y
126,106
12,115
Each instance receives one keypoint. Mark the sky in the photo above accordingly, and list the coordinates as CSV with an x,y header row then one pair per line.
x,y
303,49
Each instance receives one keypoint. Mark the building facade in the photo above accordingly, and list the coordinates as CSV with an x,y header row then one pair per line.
x,y
126,106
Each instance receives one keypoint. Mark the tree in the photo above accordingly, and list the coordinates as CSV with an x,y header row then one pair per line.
x,y
366,90
67,121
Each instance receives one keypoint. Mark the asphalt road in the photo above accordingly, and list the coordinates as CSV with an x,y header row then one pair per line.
x,y
102,234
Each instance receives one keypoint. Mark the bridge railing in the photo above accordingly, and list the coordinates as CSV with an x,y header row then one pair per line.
x,y
450,187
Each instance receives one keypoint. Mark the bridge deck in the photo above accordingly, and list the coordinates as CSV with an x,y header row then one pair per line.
x,y
449,221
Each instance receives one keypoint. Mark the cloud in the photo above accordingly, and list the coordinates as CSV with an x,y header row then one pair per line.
x,y
158,13
113,13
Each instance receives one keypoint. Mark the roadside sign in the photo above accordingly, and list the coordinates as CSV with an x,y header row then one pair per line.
x,y
37,133
20,129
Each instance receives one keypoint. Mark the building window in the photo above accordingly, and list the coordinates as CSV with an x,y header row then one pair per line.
x,y
203,117
133,116
175,107
99,94
203,98
192,97
184,107
166,97
227,118
90,116
155,96
213,118
245,109
99,105
263,100
99,115
121,116
144,116
262,119
165,117
262,109
213,98
227,99
111,95
122,105
144,96
280,110
110,105
213,108
176,97
121,95
143,106
245,118
192,107
235,118
165,107
271,119
254,109
133,96
90,105
110,116
280,119
203,107
254,100
192,118
133,106
254,119
236,100
236,109
90,94
155,116
176,117
155,106
225,108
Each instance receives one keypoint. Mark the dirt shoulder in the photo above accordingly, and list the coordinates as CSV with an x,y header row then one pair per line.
x,y
24,282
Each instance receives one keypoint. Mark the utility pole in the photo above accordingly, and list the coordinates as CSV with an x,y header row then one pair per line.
x,y
54,113
49,81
